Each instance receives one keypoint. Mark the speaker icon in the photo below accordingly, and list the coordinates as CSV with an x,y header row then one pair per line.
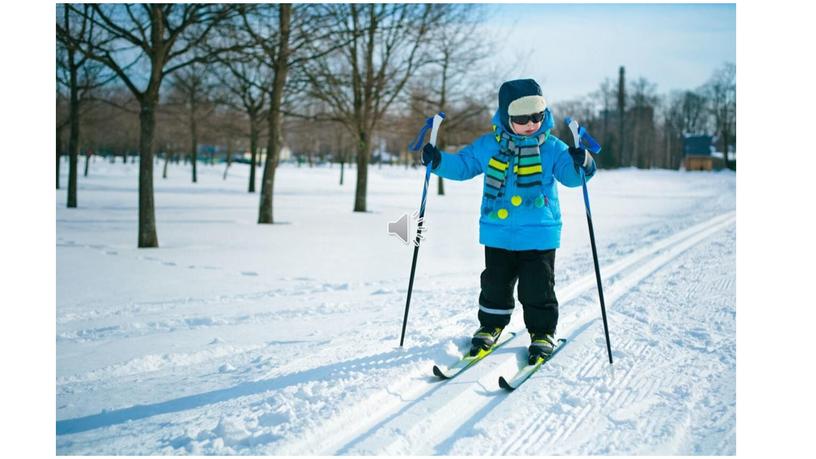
x,y
402,228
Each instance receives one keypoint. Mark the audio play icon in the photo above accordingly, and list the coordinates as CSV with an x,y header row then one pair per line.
x,y
405,228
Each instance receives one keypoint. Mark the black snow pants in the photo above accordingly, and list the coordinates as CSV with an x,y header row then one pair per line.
x,y
533,269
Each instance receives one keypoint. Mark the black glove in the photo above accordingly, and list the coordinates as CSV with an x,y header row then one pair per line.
x,y
581,158
431,154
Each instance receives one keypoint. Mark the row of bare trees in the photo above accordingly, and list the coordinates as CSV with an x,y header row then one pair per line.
x,y
345,65
340,79
640,128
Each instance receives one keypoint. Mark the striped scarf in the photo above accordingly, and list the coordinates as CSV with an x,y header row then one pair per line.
x,y
527,164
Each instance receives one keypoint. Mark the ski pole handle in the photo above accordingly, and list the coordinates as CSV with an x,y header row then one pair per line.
x,y
437,120
579,133
573,127
432,123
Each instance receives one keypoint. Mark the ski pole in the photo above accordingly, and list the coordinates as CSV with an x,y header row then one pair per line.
x,y
580,134
432,122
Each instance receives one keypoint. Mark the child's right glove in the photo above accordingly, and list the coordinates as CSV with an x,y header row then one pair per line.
x,y
581,158
431,155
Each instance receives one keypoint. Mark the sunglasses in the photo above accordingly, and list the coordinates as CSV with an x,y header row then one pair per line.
x,y
524,119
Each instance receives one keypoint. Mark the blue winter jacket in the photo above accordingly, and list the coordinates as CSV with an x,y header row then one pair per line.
x,y
524,226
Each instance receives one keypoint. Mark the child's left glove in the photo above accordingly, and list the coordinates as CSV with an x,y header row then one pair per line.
x,y
431,154
581,158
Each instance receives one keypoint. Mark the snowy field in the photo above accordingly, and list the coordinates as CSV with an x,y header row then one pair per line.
x,y
238,338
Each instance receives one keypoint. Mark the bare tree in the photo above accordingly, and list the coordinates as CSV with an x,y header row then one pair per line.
x,y
79,76
62,121
385,45
623,156
288,36
450,78
721,90
228,125
693,111
142,44
277,46
683,112
192,92
245,80
643,101
605,98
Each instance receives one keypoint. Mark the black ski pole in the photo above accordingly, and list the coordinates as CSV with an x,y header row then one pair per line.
x,y
578,134
433,123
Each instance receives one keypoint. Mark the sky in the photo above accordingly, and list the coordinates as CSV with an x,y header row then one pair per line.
x,y
570,48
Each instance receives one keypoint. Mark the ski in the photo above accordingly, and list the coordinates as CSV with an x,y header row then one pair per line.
x,y
525,372
469,360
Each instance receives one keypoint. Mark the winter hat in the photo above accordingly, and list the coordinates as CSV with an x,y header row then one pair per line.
x,y
520,97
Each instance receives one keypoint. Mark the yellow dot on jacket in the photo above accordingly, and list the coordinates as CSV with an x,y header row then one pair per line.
x,y
503,213
516,200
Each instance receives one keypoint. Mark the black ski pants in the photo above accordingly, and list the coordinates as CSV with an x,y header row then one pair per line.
x,y
533,269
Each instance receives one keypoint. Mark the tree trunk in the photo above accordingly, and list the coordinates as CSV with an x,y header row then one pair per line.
x,y
147,213
194,140
253,148
265,214
73,138
88,154
229,157
362,171
725,135
59,146
443,96
166,160
624,160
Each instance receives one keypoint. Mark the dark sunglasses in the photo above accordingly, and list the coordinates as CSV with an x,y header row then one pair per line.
x,y
524,119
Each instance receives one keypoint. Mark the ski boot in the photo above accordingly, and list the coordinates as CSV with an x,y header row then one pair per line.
x,y
484,339
542,345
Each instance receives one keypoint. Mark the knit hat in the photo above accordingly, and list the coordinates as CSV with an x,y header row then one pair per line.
x,y
520,97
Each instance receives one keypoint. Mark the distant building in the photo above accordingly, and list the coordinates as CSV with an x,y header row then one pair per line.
x,y
698,153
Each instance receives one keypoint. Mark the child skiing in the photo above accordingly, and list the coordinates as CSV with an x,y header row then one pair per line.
x,y
520,222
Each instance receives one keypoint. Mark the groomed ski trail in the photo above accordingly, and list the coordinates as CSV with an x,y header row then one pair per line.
x,y
669,395
408,418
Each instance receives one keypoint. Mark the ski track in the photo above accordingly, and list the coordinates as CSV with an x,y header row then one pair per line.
x,y
409,412
631,395
423,426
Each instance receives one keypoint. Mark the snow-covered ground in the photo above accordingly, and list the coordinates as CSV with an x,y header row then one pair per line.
x,y
239,338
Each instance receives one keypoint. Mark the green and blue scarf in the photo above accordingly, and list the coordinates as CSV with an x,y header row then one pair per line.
x,y
527,164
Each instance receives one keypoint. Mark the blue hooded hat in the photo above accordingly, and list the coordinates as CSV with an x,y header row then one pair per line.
x,y
520,97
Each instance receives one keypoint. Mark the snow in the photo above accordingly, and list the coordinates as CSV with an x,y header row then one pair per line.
x,y
239,338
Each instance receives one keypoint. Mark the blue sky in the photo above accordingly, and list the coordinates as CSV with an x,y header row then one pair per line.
x,y
571,48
